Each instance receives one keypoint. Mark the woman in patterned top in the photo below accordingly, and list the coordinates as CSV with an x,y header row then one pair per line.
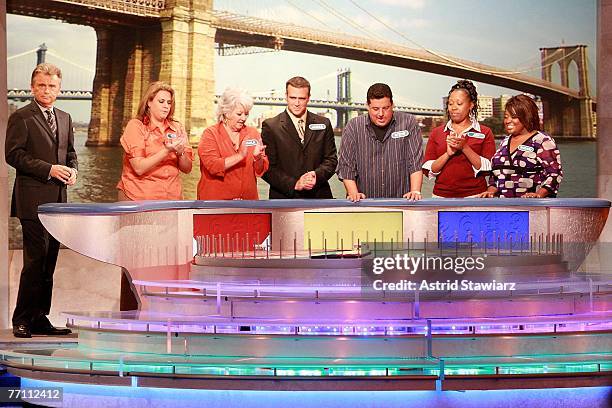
x,y
527,163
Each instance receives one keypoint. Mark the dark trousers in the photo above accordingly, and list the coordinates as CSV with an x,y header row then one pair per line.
x,y
40,252
127,299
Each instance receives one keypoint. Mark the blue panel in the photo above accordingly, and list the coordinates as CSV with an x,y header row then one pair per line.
x,y
480,226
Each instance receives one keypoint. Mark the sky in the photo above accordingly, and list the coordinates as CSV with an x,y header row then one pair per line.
x,y
504,34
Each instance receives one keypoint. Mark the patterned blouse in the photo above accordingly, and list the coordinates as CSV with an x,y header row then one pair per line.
x,y
535,163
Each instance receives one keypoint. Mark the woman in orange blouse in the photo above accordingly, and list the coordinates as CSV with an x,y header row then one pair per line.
x,y
232,154
156,149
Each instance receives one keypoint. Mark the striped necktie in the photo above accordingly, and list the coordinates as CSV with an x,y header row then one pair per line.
x,y
51,121
301,129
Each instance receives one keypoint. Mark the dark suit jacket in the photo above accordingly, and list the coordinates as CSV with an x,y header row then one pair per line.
x,y
31,149
289,158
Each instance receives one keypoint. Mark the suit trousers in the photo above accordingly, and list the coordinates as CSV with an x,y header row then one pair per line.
x,y
40,251
127,298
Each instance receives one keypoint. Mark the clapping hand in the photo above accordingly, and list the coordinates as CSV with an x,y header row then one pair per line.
x,y
450,149
176,145
454,143
259,151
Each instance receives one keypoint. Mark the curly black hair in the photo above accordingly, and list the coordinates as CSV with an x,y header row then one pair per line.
x,y
469,87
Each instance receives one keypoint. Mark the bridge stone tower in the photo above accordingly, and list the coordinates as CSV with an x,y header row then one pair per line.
x,y
178,49
568,117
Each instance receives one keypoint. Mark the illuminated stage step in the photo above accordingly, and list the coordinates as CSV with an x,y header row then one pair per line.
x,y
78,359
151,322
251,300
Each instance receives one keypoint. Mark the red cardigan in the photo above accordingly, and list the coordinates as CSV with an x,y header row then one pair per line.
x,y
456,179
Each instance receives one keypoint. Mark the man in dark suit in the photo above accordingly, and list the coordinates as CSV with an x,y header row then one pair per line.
x,y
40,146
300,146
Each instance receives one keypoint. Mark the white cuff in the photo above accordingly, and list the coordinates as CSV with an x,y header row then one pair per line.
x,y
485,165
427,166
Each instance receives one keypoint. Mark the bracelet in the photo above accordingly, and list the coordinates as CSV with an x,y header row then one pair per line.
x,y
416,192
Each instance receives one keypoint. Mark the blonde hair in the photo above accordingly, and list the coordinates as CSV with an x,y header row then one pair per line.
x,y
46,69
143,108
230,99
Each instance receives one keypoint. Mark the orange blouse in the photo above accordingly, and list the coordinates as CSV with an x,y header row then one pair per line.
x,y
162,182
238,181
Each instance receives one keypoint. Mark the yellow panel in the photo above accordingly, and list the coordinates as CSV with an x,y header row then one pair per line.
x,y
344,229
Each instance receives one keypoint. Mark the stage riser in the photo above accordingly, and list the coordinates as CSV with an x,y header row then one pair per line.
x,y
262,309
346,347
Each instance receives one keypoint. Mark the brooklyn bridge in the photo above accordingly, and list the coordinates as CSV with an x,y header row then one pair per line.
x,y
139,41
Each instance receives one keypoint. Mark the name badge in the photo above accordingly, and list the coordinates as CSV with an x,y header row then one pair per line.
x,y
399,134
316,126
251,142
476,135
524,148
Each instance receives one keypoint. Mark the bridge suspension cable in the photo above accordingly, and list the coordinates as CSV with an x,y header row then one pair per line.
x,y
348,20
306,12
323,77
89,70
23,54
397,100
437,54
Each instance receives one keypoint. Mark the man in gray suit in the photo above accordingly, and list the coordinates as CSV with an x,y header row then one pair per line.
x,y
300,146
40,146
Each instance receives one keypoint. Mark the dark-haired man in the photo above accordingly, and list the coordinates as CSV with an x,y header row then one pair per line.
x,y
300,146
381,152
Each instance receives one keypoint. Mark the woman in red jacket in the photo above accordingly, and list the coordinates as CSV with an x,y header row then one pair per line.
x,y
232,154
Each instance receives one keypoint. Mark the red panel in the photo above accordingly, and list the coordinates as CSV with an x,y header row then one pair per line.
x,y
236,227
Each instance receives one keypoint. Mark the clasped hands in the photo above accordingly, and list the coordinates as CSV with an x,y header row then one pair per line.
x,y
65,174
306,182
176,145
259,150
454,143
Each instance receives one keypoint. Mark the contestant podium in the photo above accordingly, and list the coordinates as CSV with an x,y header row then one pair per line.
x,y
269,296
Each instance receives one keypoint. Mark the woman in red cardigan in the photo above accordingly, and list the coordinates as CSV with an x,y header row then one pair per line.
x,y
458,154
232,154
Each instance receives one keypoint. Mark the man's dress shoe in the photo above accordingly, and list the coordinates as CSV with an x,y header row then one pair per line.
x,y
22,331
43,326
50,331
